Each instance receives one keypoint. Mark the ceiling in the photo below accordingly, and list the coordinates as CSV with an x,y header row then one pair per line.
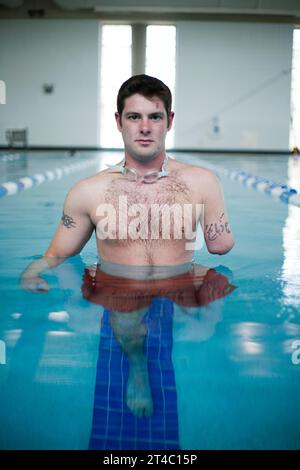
x,y
278,10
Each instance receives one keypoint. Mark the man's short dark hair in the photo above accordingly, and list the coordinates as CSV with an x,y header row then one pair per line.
x,y
146,86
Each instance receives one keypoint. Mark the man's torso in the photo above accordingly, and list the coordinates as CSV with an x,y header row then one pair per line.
x,y
146,224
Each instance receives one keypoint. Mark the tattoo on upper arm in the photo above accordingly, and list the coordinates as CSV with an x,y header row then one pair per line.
x,y
215,230
68,221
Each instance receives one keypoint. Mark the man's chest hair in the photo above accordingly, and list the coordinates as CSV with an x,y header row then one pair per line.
x,y
166,191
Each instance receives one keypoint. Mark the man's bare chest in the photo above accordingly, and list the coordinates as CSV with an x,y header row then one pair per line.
x,y
168,190
139,211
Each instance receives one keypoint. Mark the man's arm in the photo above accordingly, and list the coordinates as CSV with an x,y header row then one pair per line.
x,y
217,232
75,228
73,232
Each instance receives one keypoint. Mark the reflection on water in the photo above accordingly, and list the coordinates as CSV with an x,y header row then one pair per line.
x,y
198,286
294,172
12,166
263,349
291,242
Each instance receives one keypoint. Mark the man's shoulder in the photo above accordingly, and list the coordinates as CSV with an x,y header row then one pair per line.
x,y
201,181
193,171
89,184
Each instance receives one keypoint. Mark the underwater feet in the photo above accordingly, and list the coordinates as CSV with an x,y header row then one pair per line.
x,y
138,391
130,332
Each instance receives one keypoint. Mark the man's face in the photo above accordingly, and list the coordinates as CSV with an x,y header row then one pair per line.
x,y
144,125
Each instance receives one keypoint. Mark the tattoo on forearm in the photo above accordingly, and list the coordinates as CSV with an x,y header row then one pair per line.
x,y
68,221
215,230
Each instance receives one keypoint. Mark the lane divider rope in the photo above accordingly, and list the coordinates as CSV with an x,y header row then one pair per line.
x,y
264,185
279,191
13,187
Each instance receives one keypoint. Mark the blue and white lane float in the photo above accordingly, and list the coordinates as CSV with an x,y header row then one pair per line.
x,y
263,185
280,191
13,187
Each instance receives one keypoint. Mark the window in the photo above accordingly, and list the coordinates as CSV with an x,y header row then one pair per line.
x,y
161,60
115,69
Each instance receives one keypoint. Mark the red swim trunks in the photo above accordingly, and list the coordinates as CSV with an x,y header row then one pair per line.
x,y
191,289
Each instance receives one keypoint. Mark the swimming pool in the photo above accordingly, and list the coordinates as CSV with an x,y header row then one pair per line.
x,y
222,376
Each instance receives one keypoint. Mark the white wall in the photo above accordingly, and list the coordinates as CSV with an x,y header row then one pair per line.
x,y
218,65
65,53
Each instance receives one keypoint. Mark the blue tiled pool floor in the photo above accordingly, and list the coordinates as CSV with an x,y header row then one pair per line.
x,y
114,424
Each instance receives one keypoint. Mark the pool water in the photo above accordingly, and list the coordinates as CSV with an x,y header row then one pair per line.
x,y
220,376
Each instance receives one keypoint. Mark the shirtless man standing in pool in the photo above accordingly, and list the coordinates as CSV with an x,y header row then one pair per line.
x,y
145,177
144,117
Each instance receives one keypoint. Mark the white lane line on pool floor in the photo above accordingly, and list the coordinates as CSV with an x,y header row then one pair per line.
x,y
13,187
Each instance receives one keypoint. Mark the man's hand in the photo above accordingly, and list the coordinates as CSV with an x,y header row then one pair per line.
x,y
34,283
